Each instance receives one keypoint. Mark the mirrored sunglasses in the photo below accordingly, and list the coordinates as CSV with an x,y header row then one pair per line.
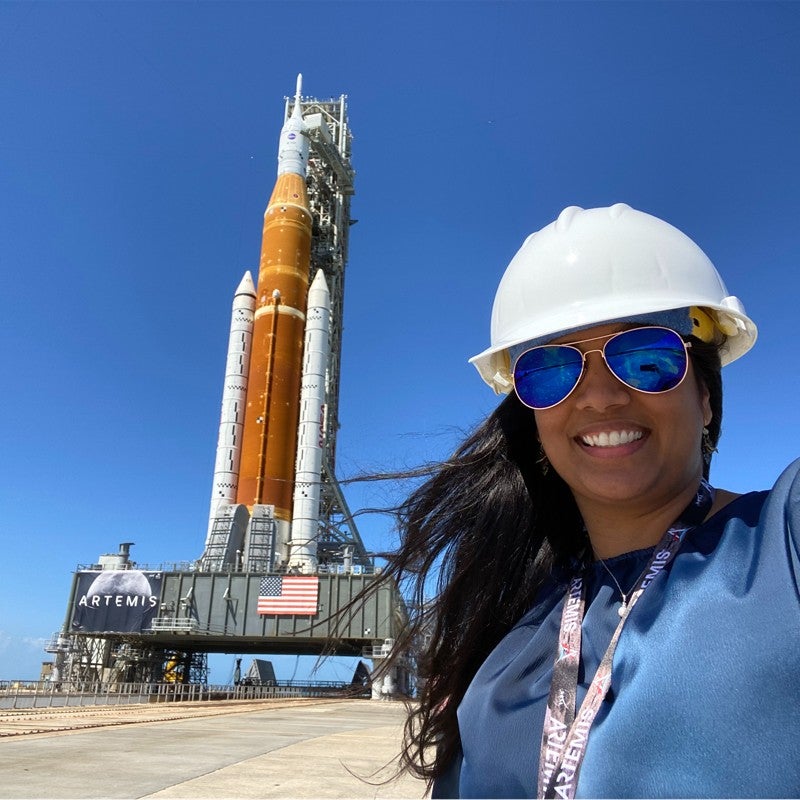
x,y
650,360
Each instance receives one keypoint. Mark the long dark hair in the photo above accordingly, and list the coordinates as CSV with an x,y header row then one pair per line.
x,y
494,527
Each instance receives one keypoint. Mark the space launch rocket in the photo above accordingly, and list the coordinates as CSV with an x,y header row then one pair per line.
x,y
261,457
269,442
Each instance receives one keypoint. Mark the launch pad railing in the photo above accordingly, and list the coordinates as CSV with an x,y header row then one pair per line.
x,y
50,694
195,566
182,625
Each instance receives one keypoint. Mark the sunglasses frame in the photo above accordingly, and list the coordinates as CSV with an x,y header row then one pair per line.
x,y
583,353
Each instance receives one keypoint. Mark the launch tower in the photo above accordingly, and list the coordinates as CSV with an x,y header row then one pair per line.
x,y
282,555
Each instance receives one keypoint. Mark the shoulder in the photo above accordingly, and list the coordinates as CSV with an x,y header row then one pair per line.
x,y
783,497
773,518
783,504
763,524
788,484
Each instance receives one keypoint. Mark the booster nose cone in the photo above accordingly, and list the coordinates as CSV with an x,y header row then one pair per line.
x,y
293,148
246,286
319,295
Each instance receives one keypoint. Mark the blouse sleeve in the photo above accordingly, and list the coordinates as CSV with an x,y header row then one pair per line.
x,y
790,483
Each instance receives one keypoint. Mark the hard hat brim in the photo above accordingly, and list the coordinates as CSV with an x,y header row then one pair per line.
x,y
493,364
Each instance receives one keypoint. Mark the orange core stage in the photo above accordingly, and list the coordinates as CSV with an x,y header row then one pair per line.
x,y
266,472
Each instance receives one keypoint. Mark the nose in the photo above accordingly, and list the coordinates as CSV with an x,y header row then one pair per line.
x,y
599,389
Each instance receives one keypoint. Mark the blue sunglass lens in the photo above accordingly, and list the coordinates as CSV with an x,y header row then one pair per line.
x,y
647,359
544,376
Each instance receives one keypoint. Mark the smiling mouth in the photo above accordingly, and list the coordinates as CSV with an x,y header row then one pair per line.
x,y
611,439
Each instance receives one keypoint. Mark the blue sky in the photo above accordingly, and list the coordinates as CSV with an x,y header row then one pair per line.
x,y
137,153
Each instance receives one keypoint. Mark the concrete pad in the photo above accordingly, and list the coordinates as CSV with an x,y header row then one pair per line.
x,y
342,749
340,765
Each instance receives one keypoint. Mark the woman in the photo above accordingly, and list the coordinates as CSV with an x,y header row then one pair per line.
x,y
606,623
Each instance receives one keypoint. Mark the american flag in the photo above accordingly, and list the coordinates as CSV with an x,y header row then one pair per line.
x,y
288,594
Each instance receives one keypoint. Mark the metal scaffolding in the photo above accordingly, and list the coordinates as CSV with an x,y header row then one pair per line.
x,y
330,187
84,661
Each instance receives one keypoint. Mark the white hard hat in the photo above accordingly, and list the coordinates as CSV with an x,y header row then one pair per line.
x,y
602,265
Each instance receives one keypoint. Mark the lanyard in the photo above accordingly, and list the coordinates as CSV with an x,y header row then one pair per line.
x,y
566,734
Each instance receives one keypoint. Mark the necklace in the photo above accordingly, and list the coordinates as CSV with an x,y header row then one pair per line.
x,y
624,607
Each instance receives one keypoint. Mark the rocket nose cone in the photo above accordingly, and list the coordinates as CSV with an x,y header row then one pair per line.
x,y
318,293
293,147
246,285
319,281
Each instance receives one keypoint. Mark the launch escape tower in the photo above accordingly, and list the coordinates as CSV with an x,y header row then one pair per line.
x,y
245,594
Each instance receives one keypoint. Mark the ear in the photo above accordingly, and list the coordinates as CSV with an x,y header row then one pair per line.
x,y
705,405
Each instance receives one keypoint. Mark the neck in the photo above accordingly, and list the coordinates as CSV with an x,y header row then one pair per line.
x,y
615,529
613,532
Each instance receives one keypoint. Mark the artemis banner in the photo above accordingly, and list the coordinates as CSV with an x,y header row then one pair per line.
x,y
115,601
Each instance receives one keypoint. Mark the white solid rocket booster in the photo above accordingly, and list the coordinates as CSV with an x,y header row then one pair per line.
x,y
231,421
308,465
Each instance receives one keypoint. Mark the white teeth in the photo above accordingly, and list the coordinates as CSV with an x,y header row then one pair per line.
x,y
612,439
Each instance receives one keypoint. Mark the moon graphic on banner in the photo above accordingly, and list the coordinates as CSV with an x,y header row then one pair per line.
x,y
129,582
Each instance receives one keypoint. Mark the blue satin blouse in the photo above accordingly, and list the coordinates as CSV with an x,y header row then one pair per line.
x,y
705,693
